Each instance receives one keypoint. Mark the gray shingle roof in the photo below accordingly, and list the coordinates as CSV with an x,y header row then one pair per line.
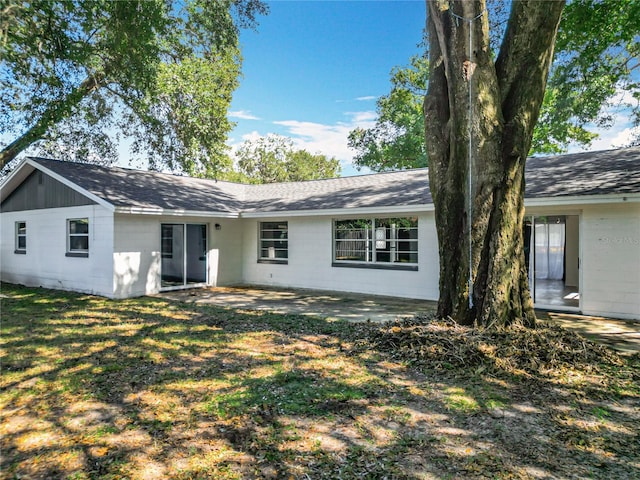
x,y
588,173
123,187
579,174
409,187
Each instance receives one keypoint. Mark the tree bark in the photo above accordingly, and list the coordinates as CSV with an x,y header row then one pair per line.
x,y
479,120
58,110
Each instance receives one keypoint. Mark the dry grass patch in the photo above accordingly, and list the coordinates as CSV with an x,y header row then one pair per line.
x,y
147,389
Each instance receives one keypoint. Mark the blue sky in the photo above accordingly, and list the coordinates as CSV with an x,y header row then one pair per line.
x,y
313,70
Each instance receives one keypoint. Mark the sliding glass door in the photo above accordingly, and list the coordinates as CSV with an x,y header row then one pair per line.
x,y
552,257
184,254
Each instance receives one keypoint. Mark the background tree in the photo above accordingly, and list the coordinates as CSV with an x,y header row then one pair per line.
x,y
594,73
159,71
273,158
396,141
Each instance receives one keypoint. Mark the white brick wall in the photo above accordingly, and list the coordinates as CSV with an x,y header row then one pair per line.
x,y
45,263
124,260
611,260
137,261
310,258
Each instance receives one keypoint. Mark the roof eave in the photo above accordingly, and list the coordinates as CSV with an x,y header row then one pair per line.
x,y
425,207
582,200
174,212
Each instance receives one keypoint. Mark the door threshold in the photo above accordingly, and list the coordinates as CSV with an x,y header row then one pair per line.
x,y
184,287
557,308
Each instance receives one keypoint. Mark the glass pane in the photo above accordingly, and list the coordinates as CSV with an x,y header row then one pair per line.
x,y
22,242
172,264
274,240
78,242
353,240
79,226
391,239
196,253
21,228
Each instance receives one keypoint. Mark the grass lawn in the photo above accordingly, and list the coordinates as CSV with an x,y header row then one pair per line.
x,y
146,388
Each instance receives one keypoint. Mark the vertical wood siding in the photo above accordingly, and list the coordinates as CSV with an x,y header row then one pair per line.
x,y
39,191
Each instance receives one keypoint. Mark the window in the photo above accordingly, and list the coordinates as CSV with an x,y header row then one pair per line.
x,y
21,237
376,242
78,237
274,242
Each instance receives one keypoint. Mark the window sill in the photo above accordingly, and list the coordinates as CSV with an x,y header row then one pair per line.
x,y
77,254
273,262
20,252
377,266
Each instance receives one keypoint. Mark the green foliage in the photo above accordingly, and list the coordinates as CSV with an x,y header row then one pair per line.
x,y
597,53
274,159
159,71
595,70
397,139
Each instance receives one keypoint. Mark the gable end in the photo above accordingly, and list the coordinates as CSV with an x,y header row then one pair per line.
x,y
39,191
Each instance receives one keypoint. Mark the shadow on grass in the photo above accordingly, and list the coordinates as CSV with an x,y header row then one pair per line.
x,y
145,388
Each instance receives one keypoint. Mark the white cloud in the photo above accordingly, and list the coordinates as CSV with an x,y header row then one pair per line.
x,y
615,138
363,117
367,98
329,140
621,130
243,115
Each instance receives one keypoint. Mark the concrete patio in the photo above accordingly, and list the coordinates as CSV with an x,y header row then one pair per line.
x,y
622,335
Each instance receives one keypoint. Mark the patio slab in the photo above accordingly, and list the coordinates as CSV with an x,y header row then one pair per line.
x,y
315,303
622,335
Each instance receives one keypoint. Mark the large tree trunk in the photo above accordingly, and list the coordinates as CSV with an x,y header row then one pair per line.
x,y
55,113
479,121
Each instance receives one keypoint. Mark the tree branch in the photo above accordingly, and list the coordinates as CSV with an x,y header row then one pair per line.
x,y
52,115
523,66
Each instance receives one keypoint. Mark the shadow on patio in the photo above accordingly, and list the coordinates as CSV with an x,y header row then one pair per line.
x,y
622,335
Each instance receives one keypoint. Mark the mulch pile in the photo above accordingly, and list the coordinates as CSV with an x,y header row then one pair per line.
x,y
443,344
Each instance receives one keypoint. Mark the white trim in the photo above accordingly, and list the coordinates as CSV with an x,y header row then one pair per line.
x,y
561,202
581,200
69,235
174,213
19,174
71,185
18,235
335,212
184,287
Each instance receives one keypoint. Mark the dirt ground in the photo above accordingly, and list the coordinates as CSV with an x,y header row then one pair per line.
x,y
150,388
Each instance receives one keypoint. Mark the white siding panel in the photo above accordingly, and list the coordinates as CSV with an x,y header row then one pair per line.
x,y
611,261
45,263
136,255
137,261
226,252
310,259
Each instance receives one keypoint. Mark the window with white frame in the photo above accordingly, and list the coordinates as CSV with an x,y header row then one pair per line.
x,y
383,242
273,242
21,237
78,237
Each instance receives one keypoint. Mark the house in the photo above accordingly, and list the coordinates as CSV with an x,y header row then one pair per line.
x,y
120,233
